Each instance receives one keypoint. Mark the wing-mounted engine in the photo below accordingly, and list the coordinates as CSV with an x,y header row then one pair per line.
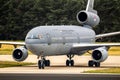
x,y
100,54
88,18
20,54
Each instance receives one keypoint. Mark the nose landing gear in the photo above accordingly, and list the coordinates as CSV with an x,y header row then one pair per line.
x,y
70,62
43,62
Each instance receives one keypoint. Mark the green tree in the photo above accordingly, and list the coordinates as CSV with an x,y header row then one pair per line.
x,y
17,17
109,12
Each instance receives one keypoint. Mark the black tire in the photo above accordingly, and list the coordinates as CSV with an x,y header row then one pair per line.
x,y
39,64
72,62
43,64
91,63
48,62
67,62
97,64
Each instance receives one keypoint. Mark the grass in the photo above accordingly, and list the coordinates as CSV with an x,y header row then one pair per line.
x,y
114,51
4,64
7,50
110,70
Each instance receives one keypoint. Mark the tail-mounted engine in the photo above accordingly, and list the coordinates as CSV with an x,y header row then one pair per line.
x,y
20,54
88,18
100,54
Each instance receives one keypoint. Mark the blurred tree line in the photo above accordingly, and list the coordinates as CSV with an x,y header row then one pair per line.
x,y
17,17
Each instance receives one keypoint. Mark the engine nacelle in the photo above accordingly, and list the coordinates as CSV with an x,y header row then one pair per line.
x,y
88,18
20,54
100,54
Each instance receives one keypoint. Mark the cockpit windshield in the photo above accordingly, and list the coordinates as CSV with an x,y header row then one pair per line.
x,y
32,37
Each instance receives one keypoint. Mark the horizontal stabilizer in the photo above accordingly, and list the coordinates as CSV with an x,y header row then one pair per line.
x,y
107,35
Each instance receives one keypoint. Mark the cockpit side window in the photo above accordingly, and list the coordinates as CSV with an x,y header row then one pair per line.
x,y
32,37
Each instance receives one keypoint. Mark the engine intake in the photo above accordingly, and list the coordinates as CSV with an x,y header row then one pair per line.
x,y
100,54
82,16
88,18
20,54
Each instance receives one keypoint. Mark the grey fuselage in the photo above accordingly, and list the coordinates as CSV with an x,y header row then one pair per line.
x,y
57,40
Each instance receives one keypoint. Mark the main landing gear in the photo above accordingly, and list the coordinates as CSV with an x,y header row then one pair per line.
x,y
70,62
43,62
92,63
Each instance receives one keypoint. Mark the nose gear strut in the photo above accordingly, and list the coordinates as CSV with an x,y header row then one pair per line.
x,y
70,62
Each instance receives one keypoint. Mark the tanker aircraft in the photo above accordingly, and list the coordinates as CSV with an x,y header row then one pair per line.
x,y
67,40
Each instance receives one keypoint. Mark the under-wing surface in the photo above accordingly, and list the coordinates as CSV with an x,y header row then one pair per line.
x,y
67,40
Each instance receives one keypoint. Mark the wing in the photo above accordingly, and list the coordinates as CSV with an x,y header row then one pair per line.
x,y
12,43
107,35
84,47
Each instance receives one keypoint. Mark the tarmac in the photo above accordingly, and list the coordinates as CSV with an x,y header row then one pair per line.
x,y
58,65
59,77
58,70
